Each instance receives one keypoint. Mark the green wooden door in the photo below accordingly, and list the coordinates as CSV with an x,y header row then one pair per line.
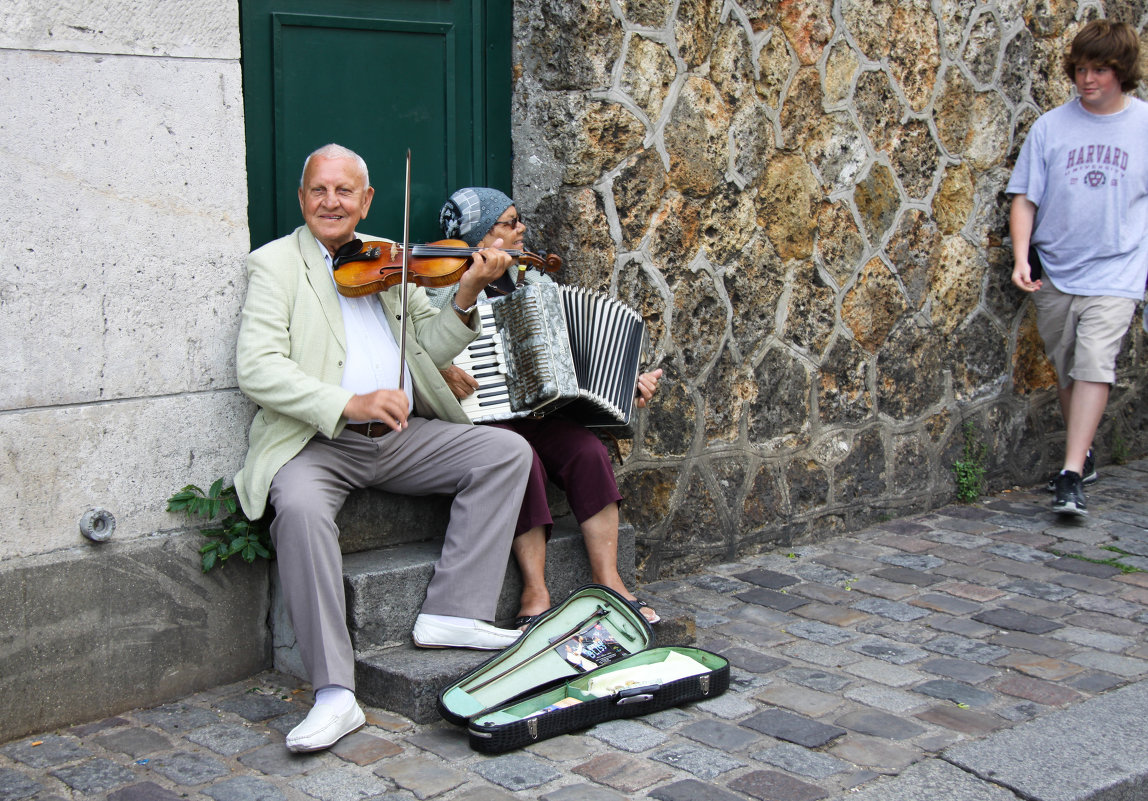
x,y
380,77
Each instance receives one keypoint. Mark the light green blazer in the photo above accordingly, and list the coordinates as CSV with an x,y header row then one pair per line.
x,y
291,349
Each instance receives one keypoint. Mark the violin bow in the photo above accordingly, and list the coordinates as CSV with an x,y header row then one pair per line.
x,y
550,644
406,267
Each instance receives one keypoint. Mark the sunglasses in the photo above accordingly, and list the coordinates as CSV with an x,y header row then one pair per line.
x,y
513,222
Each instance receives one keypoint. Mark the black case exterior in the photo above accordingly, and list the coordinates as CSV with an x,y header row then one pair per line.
x,y
505,702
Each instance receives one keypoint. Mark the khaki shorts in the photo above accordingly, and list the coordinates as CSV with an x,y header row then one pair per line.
x,y
1082,333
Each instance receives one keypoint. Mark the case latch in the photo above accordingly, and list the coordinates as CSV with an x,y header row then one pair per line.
x,y
636,695
532,728
704,681
635,699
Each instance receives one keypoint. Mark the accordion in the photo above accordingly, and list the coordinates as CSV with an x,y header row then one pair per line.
x,y
546,347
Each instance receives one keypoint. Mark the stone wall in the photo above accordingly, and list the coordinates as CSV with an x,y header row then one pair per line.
x,y
805,200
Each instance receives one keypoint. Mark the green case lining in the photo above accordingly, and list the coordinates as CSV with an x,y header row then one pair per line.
x,y
532,661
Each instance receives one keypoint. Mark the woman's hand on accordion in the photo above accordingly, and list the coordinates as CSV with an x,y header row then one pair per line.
x,y
461,383
647,386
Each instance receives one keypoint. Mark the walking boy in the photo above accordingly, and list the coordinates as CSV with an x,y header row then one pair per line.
x,y
1080,198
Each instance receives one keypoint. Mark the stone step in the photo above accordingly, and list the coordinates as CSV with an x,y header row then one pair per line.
x,y
372,518
385,588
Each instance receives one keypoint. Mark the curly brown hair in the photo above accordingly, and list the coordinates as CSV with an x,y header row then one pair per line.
x,y
1105,43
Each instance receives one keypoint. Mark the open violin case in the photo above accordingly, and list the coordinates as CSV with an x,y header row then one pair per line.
x,y
583,662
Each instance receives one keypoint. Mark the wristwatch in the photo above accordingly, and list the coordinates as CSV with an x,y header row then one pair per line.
x,y
464,312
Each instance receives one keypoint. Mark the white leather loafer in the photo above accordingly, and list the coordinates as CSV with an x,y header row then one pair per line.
x,y
323,727
482,636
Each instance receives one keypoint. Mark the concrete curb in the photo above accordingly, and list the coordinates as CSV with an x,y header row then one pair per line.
x,y
1095,751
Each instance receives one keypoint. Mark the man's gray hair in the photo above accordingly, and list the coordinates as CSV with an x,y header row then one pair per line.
x,y
333,151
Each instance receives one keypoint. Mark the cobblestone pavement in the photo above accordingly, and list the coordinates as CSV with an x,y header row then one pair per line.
x,y
852,659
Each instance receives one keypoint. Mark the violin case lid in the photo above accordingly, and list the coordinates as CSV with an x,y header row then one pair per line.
x,y
585,661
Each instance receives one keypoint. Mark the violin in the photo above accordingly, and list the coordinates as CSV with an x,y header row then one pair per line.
x,y
364,268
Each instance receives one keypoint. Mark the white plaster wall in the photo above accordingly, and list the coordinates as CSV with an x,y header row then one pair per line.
x,y
126,457
126,229
121,261
185,28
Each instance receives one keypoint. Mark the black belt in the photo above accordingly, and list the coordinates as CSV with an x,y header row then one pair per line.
x,y
372,429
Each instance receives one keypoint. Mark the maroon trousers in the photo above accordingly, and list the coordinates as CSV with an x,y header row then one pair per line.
x,y
574,459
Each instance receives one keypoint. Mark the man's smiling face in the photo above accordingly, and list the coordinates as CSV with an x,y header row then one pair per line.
x,y
334,197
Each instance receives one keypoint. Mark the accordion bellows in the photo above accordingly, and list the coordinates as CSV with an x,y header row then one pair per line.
x,y
546,347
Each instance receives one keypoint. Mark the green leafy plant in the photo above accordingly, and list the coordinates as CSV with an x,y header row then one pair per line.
x,y
970,469
235,534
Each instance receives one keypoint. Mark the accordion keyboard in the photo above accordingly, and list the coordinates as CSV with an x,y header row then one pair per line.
x,y
485,360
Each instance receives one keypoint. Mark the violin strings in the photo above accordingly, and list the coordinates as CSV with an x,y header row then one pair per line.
x,y
448,250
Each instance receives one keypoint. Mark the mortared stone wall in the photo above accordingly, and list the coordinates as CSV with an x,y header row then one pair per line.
x,y
806,201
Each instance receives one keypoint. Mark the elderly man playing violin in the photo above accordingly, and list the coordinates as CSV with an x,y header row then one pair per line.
x,y
333,416
565,452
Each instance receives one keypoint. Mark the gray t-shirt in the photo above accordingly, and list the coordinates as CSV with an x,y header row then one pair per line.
x,y
1088,176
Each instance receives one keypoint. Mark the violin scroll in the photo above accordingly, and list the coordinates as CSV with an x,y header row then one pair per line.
x,y
544,262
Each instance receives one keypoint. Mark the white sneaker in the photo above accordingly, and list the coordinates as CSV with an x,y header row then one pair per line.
x,y
430,633
323,727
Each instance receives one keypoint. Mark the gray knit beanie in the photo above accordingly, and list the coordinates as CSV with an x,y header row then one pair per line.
x,y
471,212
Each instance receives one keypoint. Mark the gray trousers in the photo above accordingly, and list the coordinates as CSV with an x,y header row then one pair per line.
x,y
484,468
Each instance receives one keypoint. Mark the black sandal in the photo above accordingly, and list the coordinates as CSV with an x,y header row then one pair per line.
x,y
522,621
638,605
